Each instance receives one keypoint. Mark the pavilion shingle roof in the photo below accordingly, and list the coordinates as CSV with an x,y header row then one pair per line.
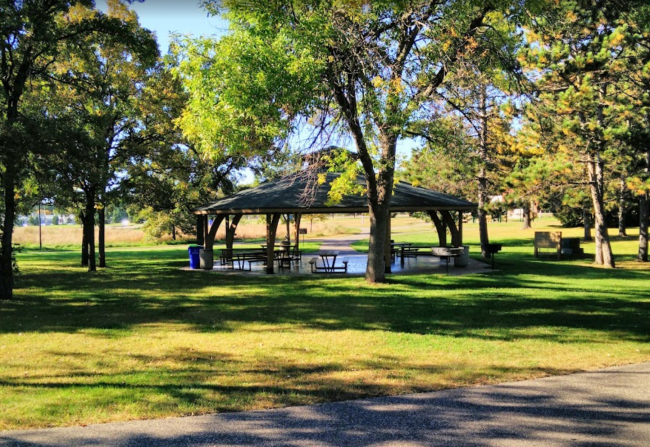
x,y
287,195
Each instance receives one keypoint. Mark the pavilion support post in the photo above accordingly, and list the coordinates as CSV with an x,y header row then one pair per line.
x,y
296,219
212,234
206,255
231,229
200,234
460,228
449,223
206,228
272,221
288,224
389,247
441,229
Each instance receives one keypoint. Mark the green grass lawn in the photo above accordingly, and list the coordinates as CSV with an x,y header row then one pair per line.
x,y
144,339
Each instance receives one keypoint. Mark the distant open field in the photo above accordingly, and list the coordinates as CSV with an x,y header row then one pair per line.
x,y
69,236
145,339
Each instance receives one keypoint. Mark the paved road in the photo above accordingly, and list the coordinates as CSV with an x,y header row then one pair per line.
x,y
609,407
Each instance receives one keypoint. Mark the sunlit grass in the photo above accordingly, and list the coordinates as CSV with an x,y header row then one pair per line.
x,y
145,339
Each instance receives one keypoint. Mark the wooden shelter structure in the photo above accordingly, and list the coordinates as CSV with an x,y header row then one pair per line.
x,y
297,195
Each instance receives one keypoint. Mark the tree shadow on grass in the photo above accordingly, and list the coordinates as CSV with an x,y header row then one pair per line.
x,y
525,293
547,412
205,382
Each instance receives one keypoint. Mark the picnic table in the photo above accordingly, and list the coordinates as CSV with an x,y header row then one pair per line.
x,y
251,256
401,248
446,253
228,255
286,254
328,259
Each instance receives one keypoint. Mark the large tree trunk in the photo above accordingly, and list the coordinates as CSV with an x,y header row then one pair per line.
x,y
526,211
84,239
376,269
102,237
644,216
621,208
586,223
379,198
6,259
482,217
482,174
90,232
604,255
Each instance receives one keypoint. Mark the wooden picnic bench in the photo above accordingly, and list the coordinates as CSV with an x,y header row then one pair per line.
x,y
227,254
328,263
285,258
252,257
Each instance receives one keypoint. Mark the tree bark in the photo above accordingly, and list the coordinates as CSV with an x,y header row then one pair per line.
x,y
604,255
90,232
526,211
376,268
482,215
272,221
102,237
622,231
644,216
84,239
6,259
482,174
173,232
586,222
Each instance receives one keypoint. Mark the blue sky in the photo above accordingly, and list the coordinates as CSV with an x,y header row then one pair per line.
x,y
187,17
174,16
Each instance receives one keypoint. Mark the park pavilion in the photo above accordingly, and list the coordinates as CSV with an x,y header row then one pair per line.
x,y
298,194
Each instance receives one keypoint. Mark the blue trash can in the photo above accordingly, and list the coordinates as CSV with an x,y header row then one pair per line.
x,y
193,250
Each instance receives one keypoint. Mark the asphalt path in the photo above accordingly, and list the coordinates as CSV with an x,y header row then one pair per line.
x,y
608,407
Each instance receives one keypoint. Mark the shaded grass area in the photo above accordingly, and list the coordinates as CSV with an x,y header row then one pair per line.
x,y
144,339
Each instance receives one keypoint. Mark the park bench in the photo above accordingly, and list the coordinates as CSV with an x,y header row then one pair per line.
x,y
567,246
548,240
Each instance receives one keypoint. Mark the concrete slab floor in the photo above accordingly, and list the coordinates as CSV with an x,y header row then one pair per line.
x,y
357,267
